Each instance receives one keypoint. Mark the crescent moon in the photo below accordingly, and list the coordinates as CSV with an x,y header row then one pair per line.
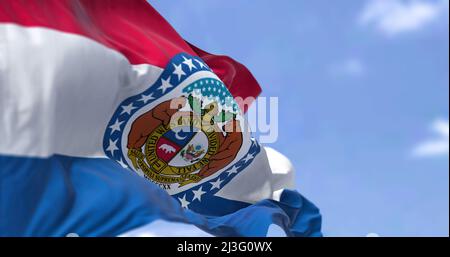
x,y
178,137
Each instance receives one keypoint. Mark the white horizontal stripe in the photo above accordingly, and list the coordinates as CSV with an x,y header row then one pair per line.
x,y
266,177
59,90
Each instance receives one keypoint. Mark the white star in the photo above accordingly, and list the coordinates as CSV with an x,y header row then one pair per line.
x,y
216,184
198,194
189,63
128,108
122,164
165,84
112,146
248,157
178,71
202,65
146,98
184,203
115,126
233,170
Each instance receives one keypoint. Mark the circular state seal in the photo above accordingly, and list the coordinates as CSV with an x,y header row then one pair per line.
x,y
174,152
180,141
182,129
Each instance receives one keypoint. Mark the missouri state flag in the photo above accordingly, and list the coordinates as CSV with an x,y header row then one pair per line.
x,y
110,121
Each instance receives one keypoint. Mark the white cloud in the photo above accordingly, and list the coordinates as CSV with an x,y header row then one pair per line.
x,y
437,146
352,67
395,16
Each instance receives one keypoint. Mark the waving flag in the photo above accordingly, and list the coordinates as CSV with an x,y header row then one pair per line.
x,y
110,121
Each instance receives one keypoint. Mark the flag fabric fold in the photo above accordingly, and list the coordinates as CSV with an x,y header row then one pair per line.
x,y
111,120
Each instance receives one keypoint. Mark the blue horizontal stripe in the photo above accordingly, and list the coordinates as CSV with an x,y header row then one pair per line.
x,y
97,197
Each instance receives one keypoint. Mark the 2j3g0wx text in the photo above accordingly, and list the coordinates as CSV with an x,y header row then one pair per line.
x,y
226,247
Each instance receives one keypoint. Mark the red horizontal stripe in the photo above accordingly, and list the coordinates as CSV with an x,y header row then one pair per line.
x,y
131,27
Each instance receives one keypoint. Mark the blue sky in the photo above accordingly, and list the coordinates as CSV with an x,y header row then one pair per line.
x,y
363,92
